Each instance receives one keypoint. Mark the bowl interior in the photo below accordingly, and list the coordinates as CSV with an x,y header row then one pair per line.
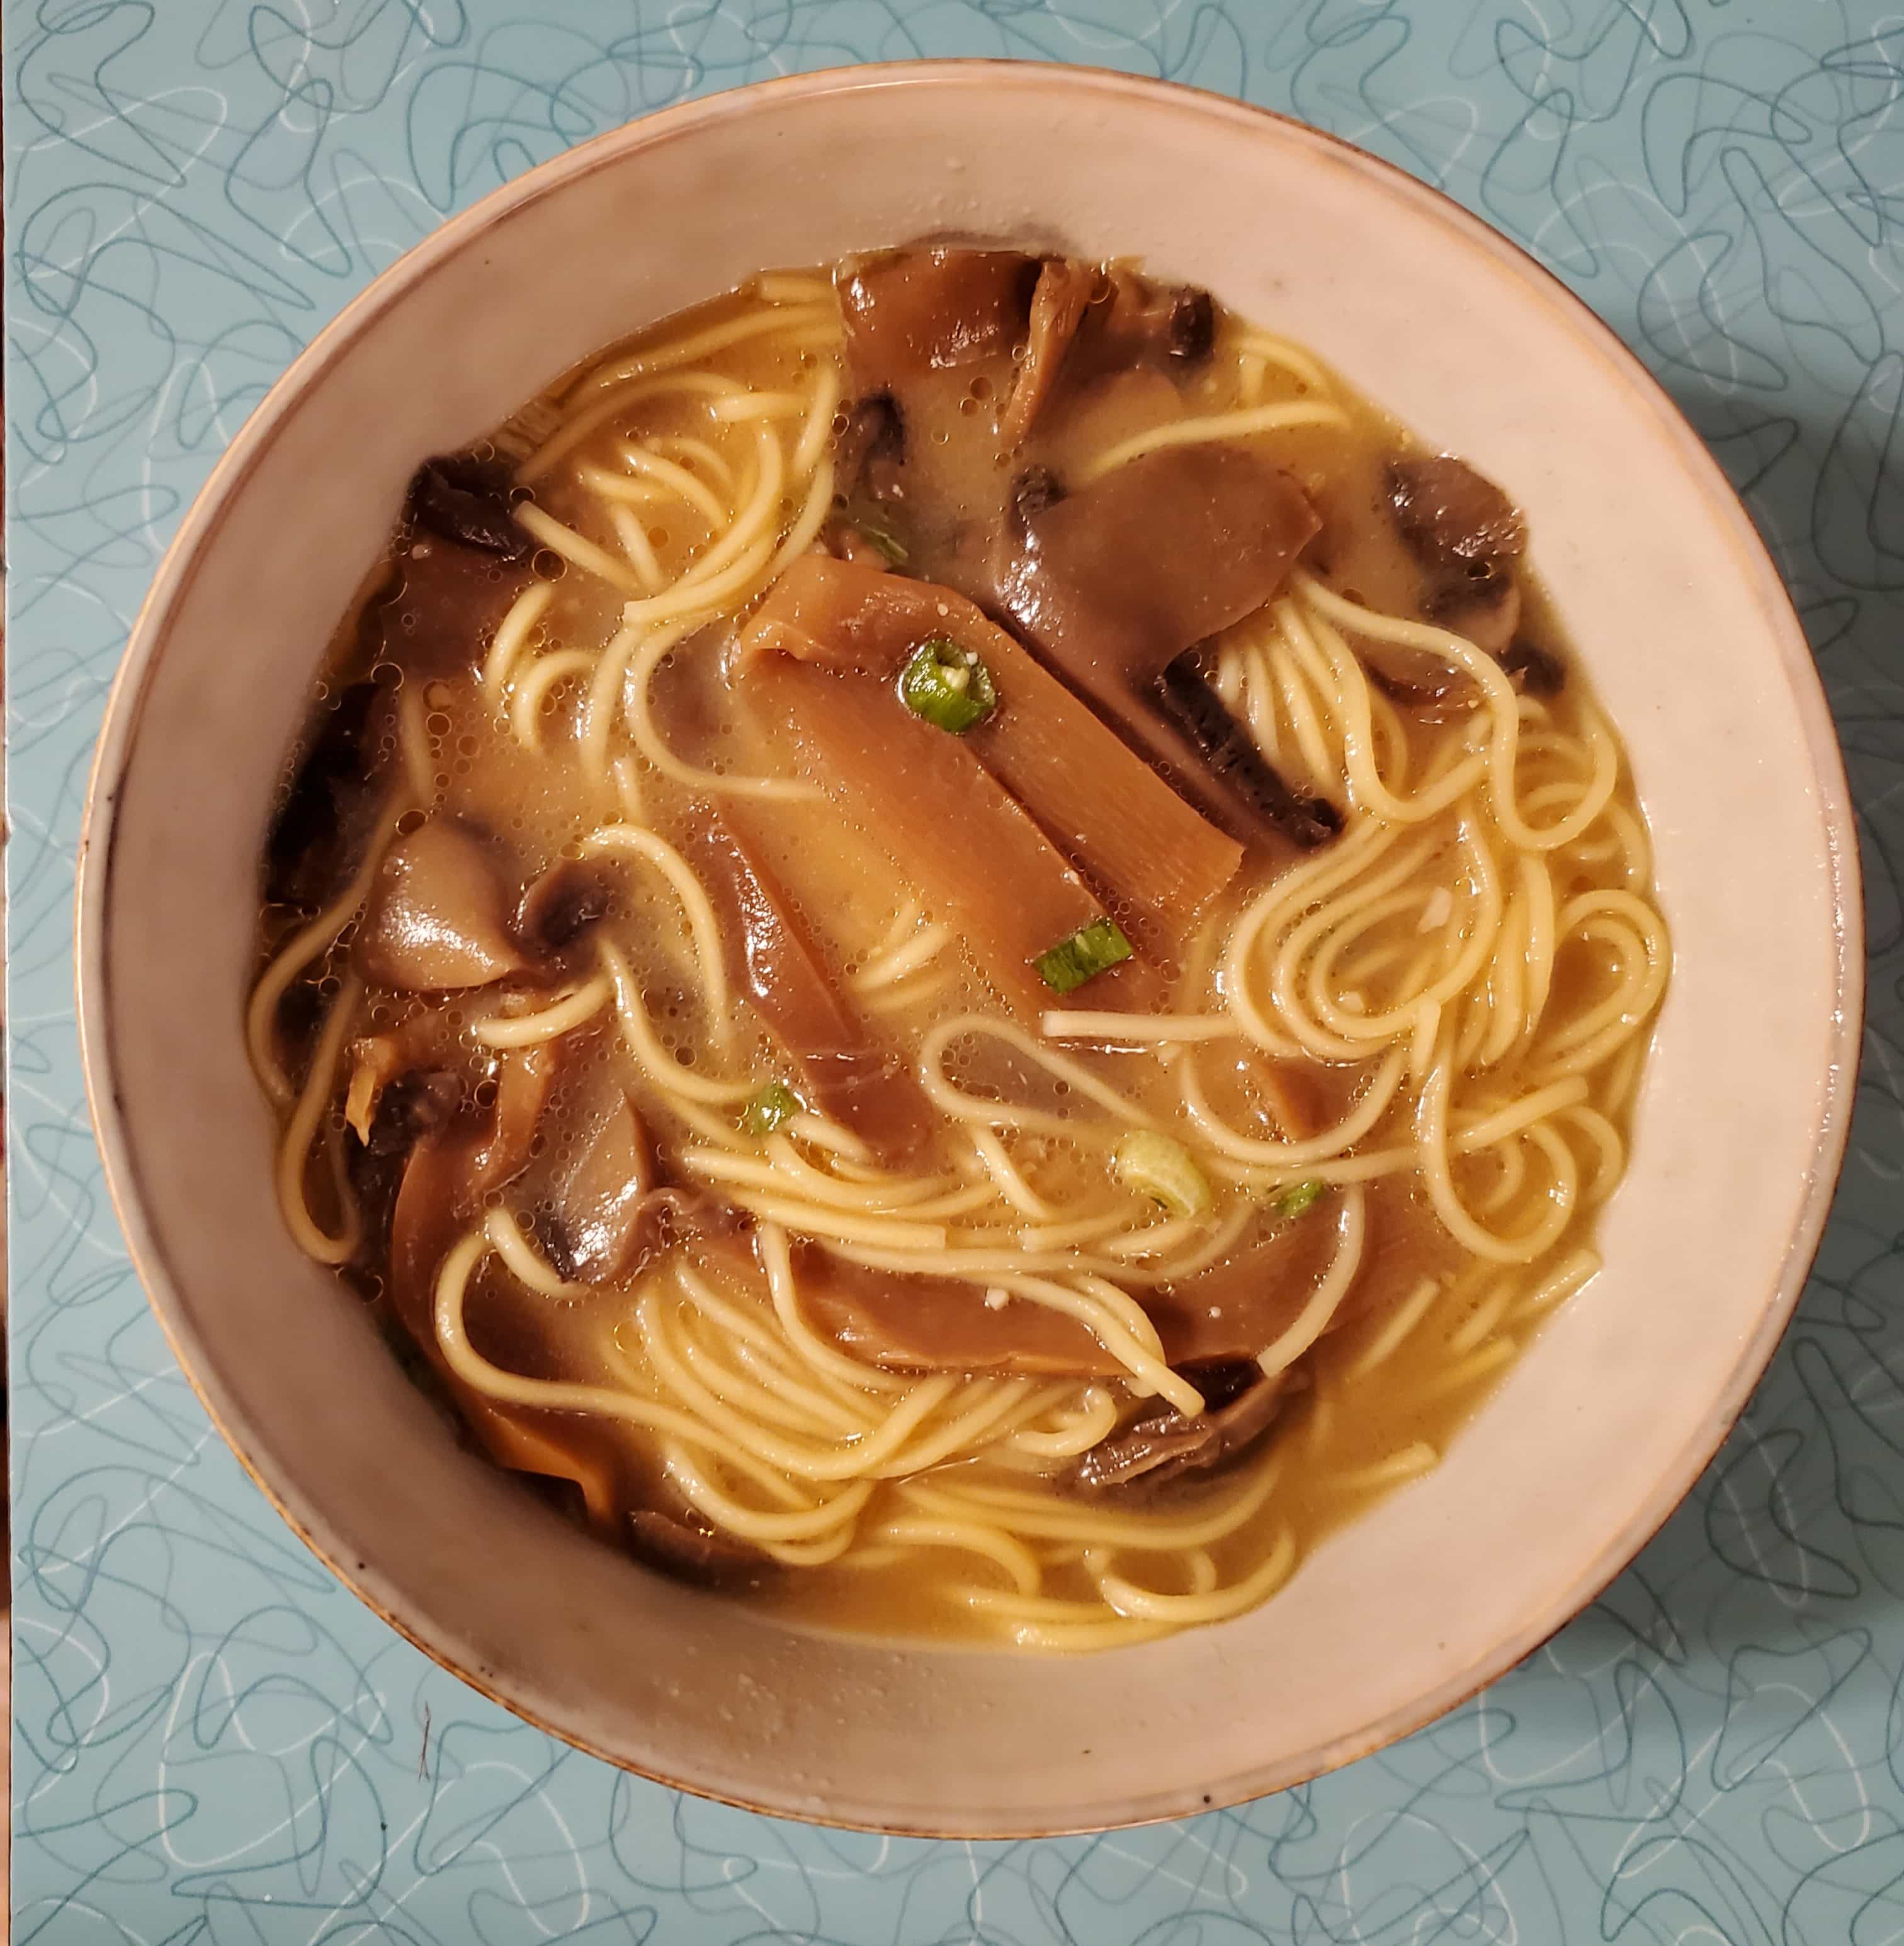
x,y
1665,592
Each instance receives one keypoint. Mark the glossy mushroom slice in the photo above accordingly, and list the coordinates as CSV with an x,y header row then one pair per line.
x,y
1452,517
599,1203
440,615
1155,861
438,917
1241,1405
1112,584
1115,580
1140,322
870,453
605,1209
1466,534
929,309
1482,603
461,498
334,796
550,1445
398,1099
1087,324
452,1168
560,905
690,1552
1064,289
1233,759
454,1165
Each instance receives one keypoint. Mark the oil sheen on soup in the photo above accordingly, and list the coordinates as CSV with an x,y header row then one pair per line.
x,y
952,948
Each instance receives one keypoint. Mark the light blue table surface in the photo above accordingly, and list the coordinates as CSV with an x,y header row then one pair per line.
x,y
212,1740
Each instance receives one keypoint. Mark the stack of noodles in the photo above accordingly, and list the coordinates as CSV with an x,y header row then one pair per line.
x,y
1423,945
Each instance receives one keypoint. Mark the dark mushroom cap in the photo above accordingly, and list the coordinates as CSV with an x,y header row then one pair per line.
x,y
692,1553
327,812
1238,764
561,903
1240,1404
1532,670
1451,516
870,453
459,498
1483,604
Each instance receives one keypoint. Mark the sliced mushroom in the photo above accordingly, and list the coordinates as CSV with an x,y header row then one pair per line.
x,y
1239,766
694,1553
1087,323
1532,670
869,454
561,903
395,1105
394,1067
917,310
1112,583
454,1156
1466,535
1115,580
525,1079
1450,695
438,917
454,1167
459,498
1483,603
1065,289
1452,517
1141,323
443,612
564,1447
319,831
597,1214
1241,1404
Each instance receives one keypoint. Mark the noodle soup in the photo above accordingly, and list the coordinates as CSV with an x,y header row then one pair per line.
x,y
954,947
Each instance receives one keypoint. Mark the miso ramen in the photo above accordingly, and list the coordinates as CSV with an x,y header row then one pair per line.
x,y
953,946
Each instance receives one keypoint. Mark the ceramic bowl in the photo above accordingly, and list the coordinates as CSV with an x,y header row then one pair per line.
x,y
1689,639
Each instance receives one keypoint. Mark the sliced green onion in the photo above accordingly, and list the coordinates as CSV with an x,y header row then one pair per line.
x,y
874,527
1090,950
1161,1168
775,1103
948,686
1299,1201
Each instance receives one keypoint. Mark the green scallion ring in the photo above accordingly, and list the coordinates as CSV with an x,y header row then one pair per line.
x,y
948,686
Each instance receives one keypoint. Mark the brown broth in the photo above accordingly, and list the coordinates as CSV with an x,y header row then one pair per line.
x,y
538,804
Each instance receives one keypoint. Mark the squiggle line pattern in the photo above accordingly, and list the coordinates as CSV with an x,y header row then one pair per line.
x,y
215,1743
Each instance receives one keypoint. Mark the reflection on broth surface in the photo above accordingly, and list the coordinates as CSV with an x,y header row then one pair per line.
x,y
955,946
